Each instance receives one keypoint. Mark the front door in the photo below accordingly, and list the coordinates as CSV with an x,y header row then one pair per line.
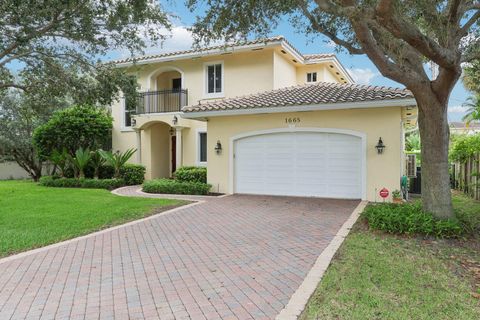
x,y
174,154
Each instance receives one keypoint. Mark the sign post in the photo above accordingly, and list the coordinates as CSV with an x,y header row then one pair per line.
x,y
384,193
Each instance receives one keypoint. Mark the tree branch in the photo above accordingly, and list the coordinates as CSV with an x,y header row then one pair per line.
x,y
316,25
466,27
7,85
384,14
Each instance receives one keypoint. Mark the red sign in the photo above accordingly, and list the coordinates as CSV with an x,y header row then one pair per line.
x,y
384,193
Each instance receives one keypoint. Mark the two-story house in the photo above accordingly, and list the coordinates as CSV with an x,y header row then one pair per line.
x,y
265,119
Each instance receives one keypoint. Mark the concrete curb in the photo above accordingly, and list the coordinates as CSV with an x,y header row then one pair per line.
x,y
94,234
300,298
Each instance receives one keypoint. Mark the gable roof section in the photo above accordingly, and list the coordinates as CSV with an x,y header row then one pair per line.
x,y
323,93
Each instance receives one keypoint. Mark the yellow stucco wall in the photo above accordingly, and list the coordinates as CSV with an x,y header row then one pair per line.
x,y
382,170
284,72
323,73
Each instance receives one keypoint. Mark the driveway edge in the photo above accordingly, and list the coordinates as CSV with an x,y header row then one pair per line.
x,y
96,233
300,298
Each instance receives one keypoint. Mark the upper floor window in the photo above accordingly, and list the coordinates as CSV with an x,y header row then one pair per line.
x,y
311,77
129,108
214,79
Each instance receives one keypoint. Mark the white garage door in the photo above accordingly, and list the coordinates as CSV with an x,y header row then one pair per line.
x,y
299,164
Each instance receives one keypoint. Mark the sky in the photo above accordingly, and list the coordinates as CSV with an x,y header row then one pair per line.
x,y
360,67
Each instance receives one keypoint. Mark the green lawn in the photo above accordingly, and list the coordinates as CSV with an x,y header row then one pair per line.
x,y
33,216
378,276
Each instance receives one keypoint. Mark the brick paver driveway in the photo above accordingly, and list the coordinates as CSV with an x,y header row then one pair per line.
x,y
237,257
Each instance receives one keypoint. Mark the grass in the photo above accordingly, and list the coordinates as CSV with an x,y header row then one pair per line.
x,y
379,276
33,216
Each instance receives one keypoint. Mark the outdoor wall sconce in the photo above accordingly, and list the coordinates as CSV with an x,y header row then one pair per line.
x,y
175,120
134,122
380,146
218,147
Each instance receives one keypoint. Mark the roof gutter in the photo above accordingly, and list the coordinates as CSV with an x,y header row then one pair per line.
x,y
302,108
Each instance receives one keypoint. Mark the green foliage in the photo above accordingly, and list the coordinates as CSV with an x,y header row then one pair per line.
x,y
473,109
96,161
132,174
471,76
464,147
191,174
410,219
176,187
412,142
397,194
117,160
80,161
110,184
18,119
49,49
81,126
60,160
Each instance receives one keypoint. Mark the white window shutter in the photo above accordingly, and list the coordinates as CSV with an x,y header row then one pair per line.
x,y
411,165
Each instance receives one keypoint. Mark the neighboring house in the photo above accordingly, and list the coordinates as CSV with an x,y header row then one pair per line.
x,y
265,119
463,128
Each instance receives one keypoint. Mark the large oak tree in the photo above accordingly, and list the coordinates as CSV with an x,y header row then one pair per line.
x,y
49,59
399,37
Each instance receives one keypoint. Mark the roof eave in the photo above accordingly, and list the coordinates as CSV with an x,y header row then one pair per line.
x,y
201,53
404,102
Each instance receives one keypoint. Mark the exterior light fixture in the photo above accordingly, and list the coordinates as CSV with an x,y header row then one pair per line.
x,y
172,132
134,122
380,146
175,120
218,147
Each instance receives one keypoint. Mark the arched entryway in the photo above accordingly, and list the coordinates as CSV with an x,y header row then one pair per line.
x,y
158,149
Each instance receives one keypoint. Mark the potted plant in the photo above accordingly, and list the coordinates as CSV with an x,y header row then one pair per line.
x,y
397,196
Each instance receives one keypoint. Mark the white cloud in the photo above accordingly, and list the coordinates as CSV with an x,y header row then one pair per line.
x,y
362,76
457,109
180,38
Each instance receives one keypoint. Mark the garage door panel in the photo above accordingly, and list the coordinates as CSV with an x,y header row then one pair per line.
x,y
299,164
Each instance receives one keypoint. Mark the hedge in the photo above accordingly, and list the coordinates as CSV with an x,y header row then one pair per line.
x,y
410,219
191,174
176,187
109,184
132,174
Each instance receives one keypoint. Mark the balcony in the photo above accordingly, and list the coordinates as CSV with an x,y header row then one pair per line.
x,y
163,101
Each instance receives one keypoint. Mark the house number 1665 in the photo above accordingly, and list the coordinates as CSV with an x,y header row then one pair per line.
x,y
292,120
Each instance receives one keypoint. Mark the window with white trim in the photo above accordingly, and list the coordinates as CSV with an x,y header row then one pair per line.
x,y
128,111
311,77
202,147
214,78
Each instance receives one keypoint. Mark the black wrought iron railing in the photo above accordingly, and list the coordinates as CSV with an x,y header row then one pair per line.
x,y
161,101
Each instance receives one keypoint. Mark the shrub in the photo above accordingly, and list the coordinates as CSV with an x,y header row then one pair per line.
x,y
409,219
176,187
132,174
49,181
117,159
191,174
79,126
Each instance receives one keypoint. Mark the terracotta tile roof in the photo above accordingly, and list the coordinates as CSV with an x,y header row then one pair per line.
x,y
172,54
318,56
308,94
200,50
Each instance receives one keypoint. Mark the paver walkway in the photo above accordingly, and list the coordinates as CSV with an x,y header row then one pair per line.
x,y
236,257
136,191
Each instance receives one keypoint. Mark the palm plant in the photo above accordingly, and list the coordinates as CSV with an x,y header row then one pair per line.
x,y
60,160
412,142
97,161
117,160
80,161
473,111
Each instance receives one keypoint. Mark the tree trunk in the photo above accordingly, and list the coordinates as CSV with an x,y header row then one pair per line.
x,y
435,134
